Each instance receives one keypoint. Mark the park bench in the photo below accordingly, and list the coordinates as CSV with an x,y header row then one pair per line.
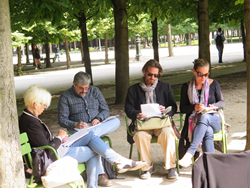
x,y
52,58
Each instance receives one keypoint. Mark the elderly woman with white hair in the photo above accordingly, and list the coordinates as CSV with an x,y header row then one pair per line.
x,y
89,148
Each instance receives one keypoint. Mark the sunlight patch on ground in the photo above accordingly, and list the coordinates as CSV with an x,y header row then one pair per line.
x,y
237,145
239,134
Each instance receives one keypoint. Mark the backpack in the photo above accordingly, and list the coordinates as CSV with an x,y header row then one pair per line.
x,y
219,41
108,169
40,163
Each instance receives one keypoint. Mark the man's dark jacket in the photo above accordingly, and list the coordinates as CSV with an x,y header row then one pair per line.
x,y
136,97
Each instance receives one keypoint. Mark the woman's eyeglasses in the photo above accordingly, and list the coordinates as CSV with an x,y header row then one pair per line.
x,y
201,75
155,75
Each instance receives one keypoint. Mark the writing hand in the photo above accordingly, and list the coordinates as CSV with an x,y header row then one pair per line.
x,y
95,121
80,125
62,133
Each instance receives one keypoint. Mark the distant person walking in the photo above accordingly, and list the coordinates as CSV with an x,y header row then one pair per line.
x,y
36,54
57,52
219,40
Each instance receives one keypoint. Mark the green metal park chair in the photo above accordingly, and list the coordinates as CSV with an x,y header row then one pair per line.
x,y
26,153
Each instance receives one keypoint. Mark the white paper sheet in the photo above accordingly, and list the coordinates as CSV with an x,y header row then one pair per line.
x,y
76,136
92,126
151,109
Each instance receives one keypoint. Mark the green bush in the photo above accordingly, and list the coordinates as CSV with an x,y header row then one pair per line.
x,y
91,49
62,51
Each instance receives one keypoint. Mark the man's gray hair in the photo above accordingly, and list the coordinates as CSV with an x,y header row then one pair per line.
x,y
82,78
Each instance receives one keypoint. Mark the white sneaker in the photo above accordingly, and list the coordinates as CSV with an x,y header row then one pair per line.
x,y
36,68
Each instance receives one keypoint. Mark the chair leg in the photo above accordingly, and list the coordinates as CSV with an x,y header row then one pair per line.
x,y
226,143
177,155
139,158
131,150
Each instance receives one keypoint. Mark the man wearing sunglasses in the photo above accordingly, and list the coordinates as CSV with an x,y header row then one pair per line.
x,y
152,90
84,104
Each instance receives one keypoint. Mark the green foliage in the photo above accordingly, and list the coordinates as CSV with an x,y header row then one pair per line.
x,y
20,72
18,39
62,51
239,2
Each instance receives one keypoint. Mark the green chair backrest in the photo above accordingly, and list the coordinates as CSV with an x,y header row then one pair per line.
x,y
177,95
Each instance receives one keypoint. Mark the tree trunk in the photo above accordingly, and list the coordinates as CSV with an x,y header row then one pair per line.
x,y
243,38
194,37
239,35
170,47
19,64
27,53
50,48
155,41
86,57
106,49
82,53
121,50
146,42
247,46
189,39
75,45
11,163
203,19
48,64
67,52
231,36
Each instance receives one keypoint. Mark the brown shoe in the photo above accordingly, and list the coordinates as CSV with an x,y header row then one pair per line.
x,y
104,181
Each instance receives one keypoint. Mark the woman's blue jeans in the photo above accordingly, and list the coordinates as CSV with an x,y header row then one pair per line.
x,y
89,149
206,126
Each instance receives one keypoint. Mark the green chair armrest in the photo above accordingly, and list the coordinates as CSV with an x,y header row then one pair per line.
x,y
51,148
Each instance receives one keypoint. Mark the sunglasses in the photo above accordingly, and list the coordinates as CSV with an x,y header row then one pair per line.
x,y
201,75
155,75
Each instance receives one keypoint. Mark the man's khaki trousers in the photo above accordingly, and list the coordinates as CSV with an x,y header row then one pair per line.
x,y
166,138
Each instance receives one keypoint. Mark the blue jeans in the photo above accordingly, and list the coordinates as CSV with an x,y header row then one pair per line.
x,y
206,126
220,52
106,127
89,149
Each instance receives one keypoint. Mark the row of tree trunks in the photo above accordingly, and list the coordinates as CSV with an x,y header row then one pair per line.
x,y
11,162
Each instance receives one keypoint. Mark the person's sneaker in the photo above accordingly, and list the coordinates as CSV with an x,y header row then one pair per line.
x,y
172,174
36,68
147,174
104,181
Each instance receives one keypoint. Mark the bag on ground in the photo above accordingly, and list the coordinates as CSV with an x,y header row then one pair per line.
x,y
40,163
108,169
60,172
